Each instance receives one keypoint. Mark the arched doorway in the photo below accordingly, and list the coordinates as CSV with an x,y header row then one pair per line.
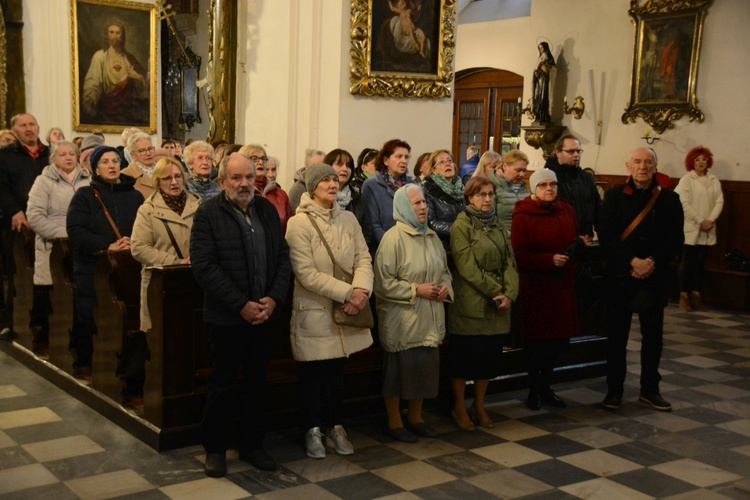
x,y
487,110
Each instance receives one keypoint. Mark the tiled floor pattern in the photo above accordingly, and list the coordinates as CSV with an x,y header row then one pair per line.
x,y
52,446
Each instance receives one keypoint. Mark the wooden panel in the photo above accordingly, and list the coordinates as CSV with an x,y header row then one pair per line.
x,y
23,252
61,320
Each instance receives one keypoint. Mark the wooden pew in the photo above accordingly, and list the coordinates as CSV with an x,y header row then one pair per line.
x,y
23,252
61,320
117,280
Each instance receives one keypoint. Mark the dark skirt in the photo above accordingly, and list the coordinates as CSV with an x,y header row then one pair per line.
x,y
474,357
411,374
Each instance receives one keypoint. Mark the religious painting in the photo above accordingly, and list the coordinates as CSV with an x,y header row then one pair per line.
x,y
402,48
666,53
114,65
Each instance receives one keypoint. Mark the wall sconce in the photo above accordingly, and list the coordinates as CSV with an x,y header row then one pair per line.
x,y
576,109
647,137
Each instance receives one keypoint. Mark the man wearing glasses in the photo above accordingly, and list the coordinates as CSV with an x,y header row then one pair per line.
x,y
142,166
575,186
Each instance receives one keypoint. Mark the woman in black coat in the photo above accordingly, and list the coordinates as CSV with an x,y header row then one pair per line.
x,y
90,232
444,194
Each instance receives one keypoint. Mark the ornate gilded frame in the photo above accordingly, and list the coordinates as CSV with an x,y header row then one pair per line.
x,y
86,20
436,83
666,53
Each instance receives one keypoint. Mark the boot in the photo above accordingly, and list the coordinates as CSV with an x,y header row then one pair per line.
x,y
695,301
685,302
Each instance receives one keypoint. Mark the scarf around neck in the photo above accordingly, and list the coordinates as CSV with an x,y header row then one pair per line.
x,y
454,189
176,203
485,218
344,197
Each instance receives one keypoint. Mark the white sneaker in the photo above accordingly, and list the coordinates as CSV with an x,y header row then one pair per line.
x,y
336,438
314,443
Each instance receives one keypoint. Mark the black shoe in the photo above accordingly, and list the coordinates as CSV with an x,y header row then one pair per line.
x,y
402,435
216,464
260,459
8,335
549,398
655,401
534,401
612,401
422,429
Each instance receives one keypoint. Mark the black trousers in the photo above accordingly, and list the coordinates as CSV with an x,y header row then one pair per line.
x,y
84,325
7,236
541,358
232,347
691,267
41,309
321,385
652,331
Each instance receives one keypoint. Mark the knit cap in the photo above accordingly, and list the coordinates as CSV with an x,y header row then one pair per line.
x,y
543,174
316,173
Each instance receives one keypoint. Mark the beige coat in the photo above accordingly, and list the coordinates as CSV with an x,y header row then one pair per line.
x,y
150,243
405,259
46,212
314,335
143,182
701,199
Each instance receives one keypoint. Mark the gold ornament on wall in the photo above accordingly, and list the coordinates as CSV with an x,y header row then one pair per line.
x,y
401,48
666,53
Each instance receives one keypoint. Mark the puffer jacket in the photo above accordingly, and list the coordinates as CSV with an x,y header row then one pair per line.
x,y
506,198
221,261
295,192
701,199
18,171
206,190
406,259
90,231
442,210
46,212
378,196
150,243
482,272
314,334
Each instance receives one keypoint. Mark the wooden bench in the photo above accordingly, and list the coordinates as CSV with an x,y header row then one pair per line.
x,y
61,320
23,252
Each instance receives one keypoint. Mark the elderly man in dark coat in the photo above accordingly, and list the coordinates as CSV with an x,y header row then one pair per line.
x,y
641,231
241,260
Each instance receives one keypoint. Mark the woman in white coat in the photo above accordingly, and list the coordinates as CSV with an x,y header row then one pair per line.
x,y
702,202
320,345
46,211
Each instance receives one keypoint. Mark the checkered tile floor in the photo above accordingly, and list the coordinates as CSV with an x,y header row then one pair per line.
x,y
52,446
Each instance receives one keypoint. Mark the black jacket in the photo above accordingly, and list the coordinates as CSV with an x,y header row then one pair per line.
x,y
87,225
659,235
220,261
578,189
18,171
358,208
442,211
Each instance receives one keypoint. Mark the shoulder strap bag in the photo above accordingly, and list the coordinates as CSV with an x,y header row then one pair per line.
x,y
503,255
106,212
642,215
173,240
364,318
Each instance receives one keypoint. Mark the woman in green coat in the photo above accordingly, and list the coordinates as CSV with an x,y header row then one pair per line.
x,y
486,284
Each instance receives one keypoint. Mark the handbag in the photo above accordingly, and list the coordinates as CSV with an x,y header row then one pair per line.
x,y
364,318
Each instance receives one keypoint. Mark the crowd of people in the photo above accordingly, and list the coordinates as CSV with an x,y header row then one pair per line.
x,y
453,251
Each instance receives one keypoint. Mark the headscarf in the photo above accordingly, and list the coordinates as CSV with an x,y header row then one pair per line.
x,y
403,210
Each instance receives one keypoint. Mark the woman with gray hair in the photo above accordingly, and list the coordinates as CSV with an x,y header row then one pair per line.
x,y
199,157
46,210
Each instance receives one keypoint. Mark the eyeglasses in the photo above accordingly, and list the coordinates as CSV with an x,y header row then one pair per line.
x,y
444,162
143,151
573,151
484,195
171,178
259,159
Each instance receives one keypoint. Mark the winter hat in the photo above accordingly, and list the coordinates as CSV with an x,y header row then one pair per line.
x,y
542,174
316,173
91,141
97,154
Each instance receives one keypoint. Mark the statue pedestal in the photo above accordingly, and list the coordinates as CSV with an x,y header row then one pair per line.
x,y
543,136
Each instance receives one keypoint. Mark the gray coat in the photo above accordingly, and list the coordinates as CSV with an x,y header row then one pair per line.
x,y
506,198
46,212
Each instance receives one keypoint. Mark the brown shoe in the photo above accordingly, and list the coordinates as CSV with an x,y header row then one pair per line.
x,y
685,302
82,374
695,301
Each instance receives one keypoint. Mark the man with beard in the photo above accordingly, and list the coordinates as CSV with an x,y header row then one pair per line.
x,y
20,164
115,90
575,186
241,260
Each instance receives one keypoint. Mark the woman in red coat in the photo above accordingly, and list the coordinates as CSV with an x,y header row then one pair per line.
x,y
544,234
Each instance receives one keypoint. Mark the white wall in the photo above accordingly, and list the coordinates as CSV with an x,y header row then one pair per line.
x,y
598,36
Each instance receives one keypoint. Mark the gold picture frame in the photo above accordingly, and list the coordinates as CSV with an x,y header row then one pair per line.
x,y
666,53
114,65
402,48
